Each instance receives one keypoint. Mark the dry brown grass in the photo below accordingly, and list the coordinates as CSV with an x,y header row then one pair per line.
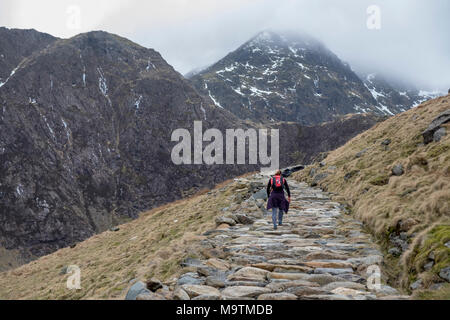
x,y
381,200
152,245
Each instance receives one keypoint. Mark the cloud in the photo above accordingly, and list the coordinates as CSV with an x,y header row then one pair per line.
x,y
413,42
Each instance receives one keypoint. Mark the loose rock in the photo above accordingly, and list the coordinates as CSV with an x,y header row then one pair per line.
x,y
445,274
397,170
139,288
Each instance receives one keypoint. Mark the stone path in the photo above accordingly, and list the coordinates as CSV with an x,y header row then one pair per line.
x,y
319,253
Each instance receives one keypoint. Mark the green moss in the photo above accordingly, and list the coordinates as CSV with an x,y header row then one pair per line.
x,y
381,180
435,242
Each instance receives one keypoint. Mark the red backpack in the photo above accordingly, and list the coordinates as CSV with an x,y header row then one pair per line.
x,y
277,181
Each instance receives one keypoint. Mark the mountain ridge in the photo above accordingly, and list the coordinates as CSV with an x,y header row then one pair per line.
x,y
291,76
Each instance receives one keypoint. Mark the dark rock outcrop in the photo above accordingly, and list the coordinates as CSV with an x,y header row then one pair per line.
x,y
85,140
435,125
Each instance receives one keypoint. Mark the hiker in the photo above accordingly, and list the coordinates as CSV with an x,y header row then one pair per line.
x,y
277,200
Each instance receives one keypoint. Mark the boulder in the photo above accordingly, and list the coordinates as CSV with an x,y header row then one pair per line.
x,y
386,290
180,294
262,194
386,142
225,220
150,296
397,170
207,271
139,288
244,219
439,134
319,177
190,278
191,262
154,284
431,256
445,274
416,285
428,266
435,125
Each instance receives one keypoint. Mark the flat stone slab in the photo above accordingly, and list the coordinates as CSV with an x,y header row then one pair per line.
x,y
194,290
244,291
277,296
332,271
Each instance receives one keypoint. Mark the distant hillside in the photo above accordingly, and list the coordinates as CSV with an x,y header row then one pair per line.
x,y
395,98
400,188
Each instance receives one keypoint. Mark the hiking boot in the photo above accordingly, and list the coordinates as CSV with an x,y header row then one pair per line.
x,y
275,228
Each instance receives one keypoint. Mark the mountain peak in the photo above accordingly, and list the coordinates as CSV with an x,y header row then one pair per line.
x,y
282,76
285,39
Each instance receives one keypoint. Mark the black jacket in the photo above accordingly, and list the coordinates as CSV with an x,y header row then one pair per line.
x,y
278,189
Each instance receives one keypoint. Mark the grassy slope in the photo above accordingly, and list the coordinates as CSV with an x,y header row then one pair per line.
x,y
152,245
381,200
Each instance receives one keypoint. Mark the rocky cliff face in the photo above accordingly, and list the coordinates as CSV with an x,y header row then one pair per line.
x,y
15,45
292,77
85,139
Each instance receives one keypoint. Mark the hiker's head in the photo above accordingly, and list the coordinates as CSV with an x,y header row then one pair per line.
x,y
278,173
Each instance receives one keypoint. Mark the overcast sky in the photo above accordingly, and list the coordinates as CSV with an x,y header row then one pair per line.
x,y
413,42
